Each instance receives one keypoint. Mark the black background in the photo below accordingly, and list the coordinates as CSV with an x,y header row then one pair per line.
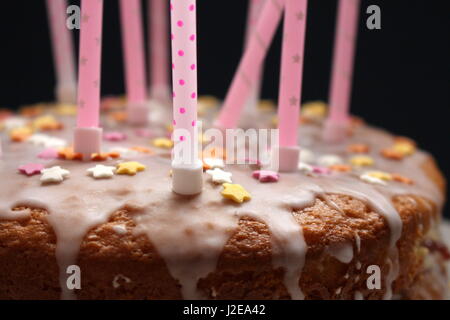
x,y
402,72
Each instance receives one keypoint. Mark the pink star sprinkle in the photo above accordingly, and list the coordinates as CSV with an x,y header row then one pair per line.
x,y
48,154
266,176
31,169
144,133
115,136
321,170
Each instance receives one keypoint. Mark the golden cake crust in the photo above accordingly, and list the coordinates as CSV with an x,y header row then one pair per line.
x,y
28,267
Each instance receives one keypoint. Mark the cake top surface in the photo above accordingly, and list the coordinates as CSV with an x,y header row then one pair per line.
x,y
190,232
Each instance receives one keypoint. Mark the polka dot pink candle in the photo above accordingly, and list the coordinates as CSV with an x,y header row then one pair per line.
x,y
184,69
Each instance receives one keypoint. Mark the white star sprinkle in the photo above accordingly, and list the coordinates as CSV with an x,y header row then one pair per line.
x,y
307,156
43,140
214,163
219,176
329,160
373,180
305,168
101,172
54,175
14,122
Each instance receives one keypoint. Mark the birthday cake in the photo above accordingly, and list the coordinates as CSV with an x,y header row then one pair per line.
x,y
358,220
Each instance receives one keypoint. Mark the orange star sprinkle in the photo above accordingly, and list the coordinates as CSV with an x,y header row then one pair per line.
x,y
104,156
20,134
118,116
142,150
358,148
405,148
32,111
341,168
402,179
69,154
391,153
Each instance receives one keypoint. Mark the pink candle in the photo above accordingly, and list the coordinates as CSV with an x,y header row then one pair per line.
x,y
62,45
291,71
90,63
159,49
341,82
184,69
254,11
246,76
133,47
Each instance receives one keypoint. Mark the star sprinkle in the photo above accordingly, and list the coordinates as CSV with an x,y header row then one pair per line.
x,y
47,123
358,148
13,123
341,168
130,168
43,140
392,154
31,169
20,134
321,170
266,176
66,110
124,152
163,143
219,176
104,156
405,148
101,172
48,154
307,156
142,150
69,154
380,175
329,160
372,180
54,175
314,110
212,163
235,192
362,161
305,168
402,179
115,136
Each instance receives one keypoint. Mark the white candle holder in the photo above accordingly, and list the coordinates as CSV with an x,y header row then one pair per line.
x,y
187,180
66,93
88,141
335,131
138,113
285,159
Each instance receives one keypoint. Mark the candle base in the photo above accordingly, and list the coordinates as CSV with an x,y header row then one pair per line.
x,y
335,131
288,159
160,94
66,93
87,141
138,114
187,181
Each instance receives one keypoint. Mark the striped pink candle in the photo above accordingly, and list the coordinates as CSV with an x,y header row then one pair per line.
x,y
291,71
133,47
159,50
63,55
343,64
246,76
87,133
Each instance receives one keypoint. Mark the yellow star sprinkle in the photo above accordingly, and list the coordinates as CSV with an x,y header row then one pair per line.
x,y
380,175
66,109
20,134
362,161
235,192
314,109
130,168
404,148
163,143
47,123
